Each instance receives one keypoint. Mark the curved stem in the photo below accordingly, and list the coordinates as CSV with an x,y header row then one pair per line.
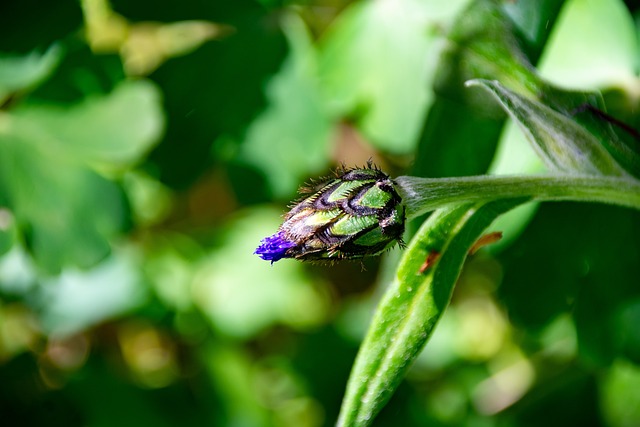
x,y
422,195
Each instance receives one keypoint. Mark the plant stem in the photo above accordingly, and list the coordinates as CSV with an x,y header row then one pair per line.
x,y
422,195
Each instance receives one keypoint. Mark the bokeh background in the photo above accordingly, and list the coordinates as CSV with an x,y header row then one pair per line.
x,y
147,146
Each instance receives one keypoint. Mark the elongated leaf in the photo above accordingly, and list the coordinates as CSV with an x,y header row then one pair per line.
x,y
413,305
594,46
562,144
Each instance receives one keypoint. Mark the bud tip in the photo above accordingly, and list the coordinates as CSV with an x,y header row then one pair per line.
x,y
274,248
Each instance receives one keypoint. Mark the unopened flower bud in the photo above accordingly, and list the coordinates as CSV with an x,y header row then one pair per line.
x,y
356,214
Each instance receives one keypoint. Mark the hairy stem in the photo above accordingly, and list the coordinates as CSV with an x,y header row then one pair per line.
x,y
422,195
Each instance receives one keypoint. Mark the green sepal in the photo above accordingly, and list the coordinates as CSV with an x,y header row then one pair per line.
x,y
374,197
351,225
345,189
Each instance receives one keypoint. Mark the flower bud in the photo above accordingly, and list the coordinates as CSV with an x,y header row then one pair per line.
x,y
356,214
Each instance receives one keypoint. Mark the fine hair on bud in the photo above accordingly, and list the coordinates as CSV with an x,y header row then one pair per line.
x,y
356,213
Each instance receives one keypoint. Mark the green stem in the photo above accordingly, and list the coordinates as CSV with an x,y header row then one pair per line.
x,y
422,195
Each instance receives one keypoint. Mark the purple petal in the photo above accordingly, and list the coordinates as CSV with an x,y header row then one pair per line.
x,y
274,248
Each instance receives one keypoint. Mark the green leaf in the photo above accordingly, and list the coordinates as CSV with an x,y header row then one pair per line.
x,y
457,140
620,399
376,71
482,46
22,72
411,307
627,335
460,135
593,45
113,130
66,210
7,229
590,271
76,300
290,139
562,144
533,20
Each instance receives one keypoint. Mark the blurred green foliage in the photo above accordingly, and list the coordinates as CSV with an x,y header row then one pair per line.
x,y
146,148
